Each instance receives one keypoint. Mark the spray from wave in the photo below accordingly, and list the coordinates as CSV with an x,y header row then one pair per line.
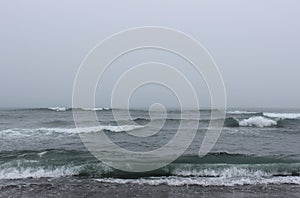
x,y
258,122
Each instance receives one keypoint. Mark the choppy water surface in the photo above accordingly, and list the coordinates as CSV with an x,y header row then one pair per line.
x,y
256,147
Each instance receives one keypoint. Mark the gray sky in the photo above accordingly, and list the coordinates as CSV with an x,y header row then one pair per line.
x,y
255,43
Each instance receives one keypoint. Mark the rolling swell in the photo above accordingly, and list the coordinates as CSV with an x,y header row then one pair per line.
x,y
219,157
288,123
253,121
231,122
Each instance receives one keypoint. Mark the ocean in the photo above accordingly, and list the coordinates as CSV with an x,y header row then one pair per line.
x,y
257,154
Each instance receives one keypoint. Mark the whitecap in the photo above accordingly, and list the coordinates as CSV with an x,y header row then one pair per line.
x,y
17,132
257,121
58,108
36,172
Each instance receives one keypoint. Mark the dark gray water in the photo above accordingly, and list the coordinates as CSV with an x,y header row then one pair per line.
x,y
257,147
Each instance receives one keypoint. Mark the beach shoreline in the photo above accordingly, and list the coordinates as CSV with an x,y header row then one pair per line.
x,y
87,187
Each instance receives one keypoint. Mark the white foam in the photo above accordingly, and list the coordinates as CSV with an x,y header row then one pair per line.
x,y
58,108
37,172
283,115
227,176
257,121
16,132
19,169
203,181
221,172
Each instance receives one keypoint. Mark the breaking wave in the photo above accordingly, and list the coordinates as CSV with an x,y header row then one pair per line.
x,y
49,131
266,114
214,169
36,172
258,121
58,108
255,121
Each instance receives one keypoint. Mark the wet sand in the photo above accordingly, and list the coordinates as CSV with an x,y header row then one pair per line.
x,y
79,187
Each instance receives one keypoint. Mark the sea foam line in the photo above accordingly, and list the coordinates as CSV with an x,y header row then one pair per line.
x,y
182,181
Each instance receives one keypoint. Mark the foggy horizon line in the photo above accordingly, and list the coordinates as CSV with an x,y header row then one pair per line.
x,y
139,108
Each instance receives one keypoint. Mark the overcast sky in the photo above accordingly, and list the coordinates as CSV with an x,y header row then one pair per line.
x,y
255,43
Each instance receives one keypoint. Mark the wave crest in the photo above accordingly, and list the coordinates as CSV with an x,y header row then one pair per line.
x,y
257,121
49,131
58,108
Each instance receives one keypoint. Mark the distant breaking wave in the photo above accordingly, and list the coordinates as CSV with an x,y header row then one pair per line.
x,y
260,121
84,109
267,114
253,121
242,112
283,115
58,108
